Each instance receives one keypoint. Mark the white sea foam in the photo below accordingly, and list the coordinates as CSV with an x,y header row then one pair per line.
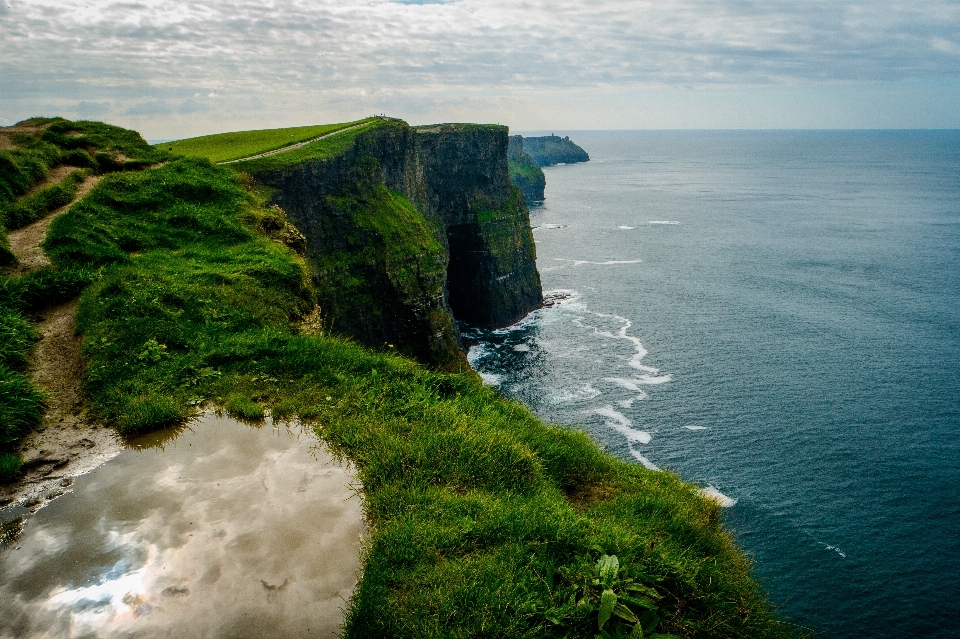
x,y
626,228
712,493
477,352
491,379
695,427
521,348
834,549
662,222
654,379
627,403
619,422
629,384
550,226
587,392
649,465
581,394
606,263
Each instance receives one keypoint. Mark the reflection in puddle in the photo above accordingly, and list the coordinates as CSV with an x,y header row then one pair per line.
x,y
224,531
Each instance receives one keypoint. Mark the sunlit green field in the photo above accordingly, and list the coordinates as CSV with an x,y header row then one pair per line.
x,y
224,147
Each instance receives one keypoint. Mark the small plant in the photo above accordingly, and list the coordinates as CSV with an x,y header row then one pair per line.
x,y
624,608
152,352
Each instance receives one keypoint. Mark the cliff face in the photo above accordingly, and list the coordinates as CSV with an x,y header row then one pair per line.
x,y
411,227
552,149
524,173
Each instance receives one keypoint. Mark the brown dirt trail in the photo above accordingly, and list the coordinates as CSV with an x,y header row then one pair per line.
x,y
25,242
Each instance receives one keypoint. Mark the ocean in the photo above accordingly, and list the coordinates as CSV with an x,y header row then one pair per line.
x,y
774,315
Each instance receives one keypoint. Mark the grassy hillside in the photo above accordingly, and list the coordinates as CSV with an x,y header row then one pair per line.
x,y
485,522
224,147
39,146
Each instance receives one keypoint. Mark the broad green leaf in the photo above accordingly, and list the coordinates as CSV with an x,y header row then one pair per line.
x,y
649,619
624,613
643,602
650,592
637,632
607,602
607,568
554,616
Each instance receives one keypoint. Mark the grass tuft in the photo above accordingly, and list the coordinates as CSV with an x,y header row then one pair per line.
x,y
9,467
21,406
32,208
243,407
148,411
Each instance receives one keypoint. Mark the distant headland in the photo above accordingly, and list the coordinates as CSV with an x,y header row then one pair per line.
x,y
528,155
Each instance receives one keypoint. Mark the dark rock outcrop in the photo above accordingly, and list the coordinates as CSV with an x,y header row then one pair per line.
x,y
552,149
524,173
411,227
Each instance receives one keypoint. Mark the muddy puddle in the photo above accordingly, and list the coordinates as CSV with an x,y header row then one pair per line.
x,y
223,530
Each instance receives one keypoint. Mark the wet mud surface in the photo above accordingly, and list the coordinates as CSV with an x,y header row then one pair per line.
x,y
217,530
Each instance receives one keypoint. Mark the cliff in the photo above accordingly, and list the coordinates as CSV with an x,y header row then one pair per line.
x,y
552,149
408,228
524,173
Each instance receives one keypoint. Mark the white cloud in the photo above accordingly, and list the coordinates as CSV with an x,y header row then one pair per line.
x,y
315,57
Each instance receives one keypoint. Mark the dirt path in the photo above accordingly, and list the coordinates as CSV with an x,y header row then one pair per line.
x,y
25,242
67,443
295,146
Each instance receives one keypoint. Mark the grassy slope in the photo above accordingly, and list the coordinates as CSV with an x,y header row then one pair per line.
x,y
224,147
95,147
485,521
330,147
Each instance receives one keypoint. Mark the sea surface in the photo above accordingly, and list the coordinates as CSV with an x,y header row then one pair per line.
x,y
774,315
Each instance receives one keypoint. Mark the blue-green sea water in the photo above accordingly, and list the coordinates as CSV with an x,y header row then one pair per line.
x,y
775,315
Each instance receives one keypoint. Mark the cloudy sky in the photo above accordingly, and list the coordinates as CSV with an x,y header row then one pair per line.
x,y
173,69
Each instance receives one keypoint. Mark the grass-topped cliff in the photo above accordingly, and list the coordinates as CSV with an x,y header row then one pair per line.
x,y
485,522
524,172
548,150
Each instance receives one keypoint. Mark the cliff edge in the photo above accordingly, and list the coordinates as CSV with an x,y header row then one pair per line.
x,y
524,173
408,228
552,149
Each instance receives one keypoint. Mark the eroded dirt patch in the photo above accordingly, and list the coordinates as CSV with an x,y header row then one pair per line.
x,y
68,442
25,242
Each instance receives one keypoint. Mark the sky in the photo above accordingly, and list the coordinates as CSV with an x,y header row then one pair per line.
x,y
174,69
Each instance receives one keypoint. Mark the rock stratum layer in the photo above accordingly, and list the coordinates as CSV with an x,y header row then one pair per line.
x,y
409,228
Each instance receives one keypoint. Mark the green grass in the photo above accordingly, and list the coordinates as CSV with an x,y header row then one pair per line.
x,y
9,469
224,147
21,402
319,150
484,521
29,209
21,406
378,263
84,144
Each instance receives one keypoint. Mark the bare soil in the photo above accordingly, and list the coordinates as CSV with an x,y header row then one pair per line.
x,y
55,175
68,442
25,242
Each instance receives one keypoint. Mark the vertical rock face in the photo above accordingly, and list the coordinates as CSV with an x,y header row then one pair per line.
x,y
492,278
524,173
552,149
409,228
